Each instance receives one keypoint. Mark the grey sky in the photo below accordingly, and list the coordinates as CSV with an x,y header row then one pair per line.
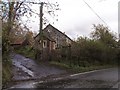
x,y
76,19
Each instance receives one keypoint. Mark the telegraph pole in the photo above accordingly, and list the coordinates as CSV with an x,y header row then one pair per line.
x,y
41,15
40,52
41,25
41,31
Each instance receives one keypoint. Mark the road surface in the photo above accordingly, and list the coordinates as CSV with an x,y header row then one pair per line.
x,y
107,78
27,68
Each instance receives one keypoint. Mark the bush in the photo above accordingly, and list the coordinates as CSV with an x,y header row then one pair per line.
x,y
6,75
6,62
27,51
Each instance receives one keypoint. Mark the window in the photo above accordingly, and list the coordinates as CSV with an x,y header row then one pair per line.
x,y
44,43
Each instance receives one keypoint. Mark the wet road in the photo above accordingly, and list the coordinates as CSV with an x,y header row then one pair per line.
x,y
107,78
26,69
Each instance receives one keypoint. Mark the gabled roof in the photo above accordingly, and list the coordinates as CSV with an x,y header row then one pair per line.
x,y
46,34
49,25
18,41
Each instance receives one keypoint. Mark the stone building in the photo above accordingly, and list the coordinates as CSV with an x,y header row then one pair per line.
x,y
61,39
52,39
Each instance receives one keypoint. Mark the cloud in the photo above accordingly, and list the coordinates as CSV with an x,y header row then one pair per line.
x,y
76,18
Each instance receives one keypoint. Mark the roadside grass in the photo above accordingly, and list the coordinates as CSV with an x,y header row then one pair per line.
x,y
6,75
79,69
26,51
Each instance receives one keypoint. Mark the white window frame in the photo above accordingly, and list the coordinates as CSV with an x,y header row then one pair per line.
x,y
44,44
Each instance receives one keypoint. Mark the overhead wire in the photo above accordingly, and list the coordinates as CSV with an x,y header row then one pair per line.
x,y
98,15
95,13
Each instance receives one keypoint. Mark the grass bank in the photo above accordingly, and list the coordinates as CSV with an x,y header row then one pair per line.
x,y
79,69
26,51
6,75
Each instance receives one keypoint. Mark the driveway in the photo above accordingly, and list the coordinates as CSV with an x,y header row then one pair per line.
x,y
27,69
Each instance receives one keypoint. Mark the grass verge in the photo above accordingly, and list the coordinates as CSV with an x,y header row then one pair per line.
x,y
80,69
26,51
6,75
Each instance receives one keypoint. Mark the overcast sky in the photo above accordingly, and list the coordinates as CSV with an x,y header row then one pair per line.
x,y
75,18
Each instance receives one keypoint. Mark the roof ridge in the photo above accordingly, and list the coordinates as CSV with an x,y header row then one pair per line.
x,y
55,29
59,31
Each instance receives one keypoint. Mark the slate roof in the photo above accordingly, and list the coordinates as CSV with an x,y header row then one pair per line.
x,y
18,41
49,25
46,34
